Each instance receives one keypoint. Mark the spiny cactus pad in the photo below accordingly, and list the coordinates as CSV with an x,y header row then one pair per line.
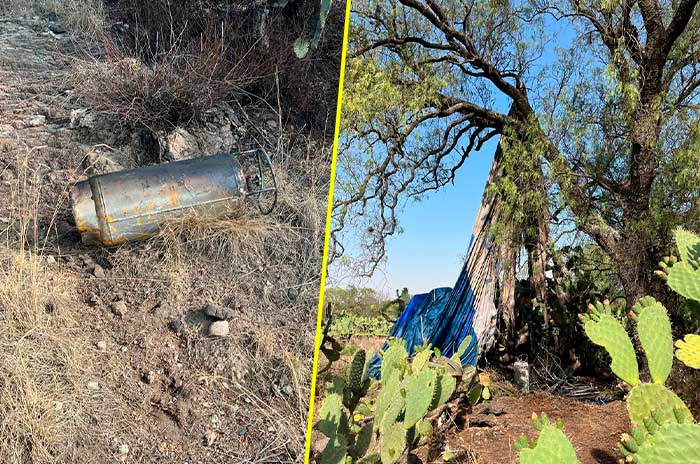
x,y
330,414
445,386
335,451
654,329
685,280
646,397
393,442
363,441
356,372
606,331
419,389
394,357
421,358
391,388
671,443
688,245
689,350
553,447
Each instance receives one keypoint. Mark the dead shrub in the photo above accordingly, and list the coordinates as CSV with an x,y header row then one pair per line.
x,y
174,88
86,16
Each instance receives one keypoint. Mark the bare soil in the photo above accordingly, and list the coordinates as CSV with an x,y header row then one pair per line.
x,y
593,429
166,392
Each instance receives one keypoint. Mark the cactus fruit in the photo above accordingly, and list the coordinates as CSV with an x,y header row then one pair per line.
x,y
654,330
356,373
647,397
688,351
551,447
606,331
659,442
419,389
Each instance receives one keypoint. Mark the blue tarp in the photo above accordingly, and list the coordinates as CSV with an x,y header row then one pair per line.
x,y
443,317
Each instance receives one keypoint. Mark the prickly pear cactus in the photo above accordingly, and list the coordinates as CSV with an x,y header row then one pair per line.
x,y
551,447
605,330
647,397
683,276
356,372
419,388
657,441
688,351
654,330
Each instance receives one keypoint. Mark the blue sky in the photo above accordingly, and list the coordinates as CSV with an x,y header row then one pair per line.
x,y
429,253
436,232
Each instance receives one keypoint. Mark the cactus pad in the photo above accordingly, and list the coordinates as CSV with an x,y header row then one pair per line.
x,y
688,245
445,386
393,442
670,443
553,447
650,396
335,451
606,331
685,280
421,358
654,330
356,372
363,441
393,358
689,350
419,395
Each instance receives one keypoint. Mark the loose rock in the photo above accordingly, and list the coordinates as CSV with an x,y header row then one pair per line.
x,y
219,312
98,272
119,308
219,329
102,345
93,385
38,120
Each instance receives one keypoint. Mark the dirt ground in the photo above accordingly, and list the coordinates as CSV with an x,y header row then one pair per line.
x,y
593,429
151,385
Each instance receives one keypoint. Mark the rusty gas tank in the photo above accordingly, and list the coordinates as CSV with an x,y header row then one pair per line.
x,y
133,204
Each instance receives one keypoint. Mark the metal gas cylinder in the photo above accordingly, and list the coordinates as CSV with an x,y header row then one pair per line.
x,y
114,208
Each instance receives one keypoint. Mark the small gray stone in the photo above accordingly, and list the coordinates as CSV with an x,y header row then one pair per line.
x,y
98,272
102,345
119,308
287,390
219,312
38,120
219,329
57,28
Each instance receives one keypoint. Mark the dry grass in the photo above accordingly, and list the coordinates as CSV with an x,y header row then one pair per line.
x,y
174,88
44,363
87,16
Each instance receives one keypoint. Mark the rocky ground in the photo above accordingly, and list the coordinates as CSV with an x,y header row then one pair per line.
x,y
160,387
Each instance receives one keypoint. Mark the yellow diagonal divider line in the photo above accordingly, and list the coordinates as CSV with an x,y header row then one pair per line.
x,y
326,239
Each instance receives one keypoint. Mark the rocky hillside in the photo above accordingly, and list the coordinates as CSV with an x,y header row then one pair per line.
x,y
106,355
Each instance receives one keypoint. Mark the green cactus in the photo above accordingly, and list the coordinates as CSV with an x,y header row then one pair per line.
x,y
419,389
305,43
688,245
393,443
445,386
605,330
647,397
356,373
368,432
551,447
657,441
688,351
335,451
683,276
654,330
